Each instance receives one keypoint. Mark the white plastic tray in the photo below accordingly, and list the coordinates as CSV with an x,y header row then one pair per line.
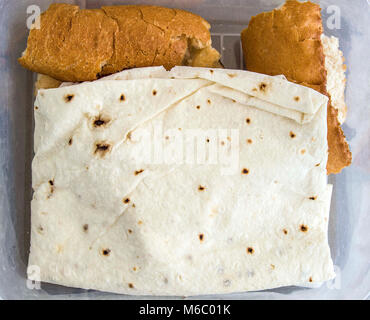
x,y
349,226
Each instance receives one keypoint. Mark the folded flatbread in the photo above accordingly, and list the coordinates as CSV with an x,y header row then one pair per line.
x,y
187,182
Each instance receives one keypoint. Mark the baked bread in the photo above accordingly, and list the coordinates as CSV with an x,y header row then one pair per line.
x,y
290,41
82,45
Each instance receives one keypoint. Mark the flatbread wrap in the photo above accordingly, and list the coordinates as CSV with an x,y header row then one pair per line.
x,y
126,201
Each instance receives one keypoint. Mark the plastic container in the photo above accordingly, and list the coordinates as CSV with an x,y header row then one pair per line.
x,y
349,226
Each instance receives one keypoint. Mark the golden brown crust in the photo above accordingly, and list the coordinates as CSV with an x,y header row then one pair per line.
x,y
339,154
62,49
79,45
287,41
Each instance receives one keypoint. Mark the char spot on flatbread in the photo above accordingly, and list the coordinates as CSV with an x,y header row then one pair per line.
x,y
310,280
313,198
249,141
36,108
130,285
85,227
154,92
201,236
70,141
296,98
40,229
285,231
245,171
198,107
51,183
248,120
122,97
292,134
263,86
201,188
231,75
211,71
303,228
68,97
209,101
98,123
102,148
137,172
106,252
126,200
250,250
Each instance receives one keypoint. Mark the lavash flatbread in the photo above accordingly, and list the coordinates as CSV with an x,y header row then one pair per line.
x,y
108,215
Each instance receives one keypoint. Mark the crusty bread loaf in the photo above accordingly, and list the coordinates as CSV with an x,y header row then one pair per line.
x,y
81,45
288,41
